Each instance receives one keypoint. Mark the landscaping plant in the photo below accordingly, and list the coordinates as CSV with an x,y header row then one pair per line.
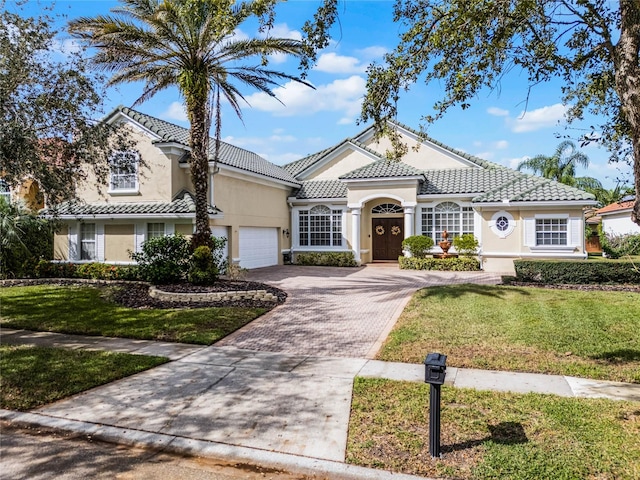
x,y
466,244
418,246
163,259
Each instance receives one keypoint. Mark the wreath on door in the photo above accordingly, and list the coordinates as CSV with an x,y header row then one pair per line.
x,y
380,230
395,230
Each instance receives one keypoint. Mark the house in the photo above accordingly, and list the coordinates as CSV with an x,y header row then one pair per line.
x,y
347,198
616,218
27,192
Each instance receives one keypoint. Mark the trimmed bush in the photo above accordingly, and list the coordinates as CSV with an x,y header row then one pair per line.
x,y
96,271
163,259
452,264
617,246
417,246
466,244
577,272
202,267
326,259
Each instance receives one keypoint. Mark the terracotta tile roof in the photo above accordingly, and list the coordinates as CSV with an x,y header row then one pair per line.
x,y
616,207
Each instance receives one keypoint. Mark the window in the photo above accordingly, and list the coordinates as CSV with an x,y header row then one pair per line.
x,y
502,224
551,231
4,191
320,227
88,241
449,216
387,208
155,230
124,171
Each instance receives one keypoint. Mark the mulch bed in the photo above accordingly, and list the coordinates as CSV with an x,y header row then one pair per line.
x,y
588,287
136,294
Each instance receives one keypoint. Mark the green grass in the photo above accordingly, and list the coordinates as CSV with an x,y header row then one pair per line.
x,y
34,376
490,435
88,311
592,334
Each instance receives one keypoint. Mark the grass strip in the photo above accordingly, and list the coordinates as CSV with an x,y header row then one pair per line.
x,y
88,311
591,334
34,376
493,435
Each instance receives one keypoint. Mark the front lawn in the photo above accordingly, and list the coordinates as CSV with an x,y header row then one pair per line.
x,y
491,435
88,311
592,334
34,376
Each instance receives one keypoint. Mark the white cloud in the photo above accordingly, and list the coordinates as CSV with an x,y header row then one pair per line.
x,y
514,162
343,95
501,144
485,155
373,52
346,121
176,111
281,30
66,46
334,63
538,119
497,112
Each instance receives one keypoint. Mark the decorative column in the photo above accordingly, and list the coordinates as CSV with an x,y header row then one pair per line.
x,y
409,213
355,232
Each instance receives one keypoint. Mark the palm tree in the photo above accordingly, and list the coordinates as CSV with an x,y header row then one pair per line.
x,y
189,44
607,197
561,167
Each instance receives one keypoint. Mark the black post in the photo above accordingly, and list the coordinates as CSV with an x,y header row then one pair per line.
x,y
434,421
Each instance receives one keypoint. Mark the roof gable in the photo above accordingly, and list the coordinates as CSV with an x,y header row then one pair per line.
x,y
230,155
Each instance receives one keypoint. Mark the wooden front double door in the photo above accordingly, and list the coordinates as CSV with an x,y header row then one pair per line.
x,y
387,235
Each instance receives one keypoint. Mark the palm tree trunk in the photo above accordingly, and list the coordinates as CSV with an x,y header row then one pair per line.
x,y
627,83
199,143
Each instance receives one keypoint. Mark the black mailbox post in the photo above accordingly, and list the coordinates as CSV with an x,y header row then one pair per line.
x,y
435,371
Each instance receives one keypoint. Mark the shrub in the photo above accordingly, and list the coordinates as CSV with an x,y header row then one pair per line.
x,y
417,246
25,239
616,246
96,271
327,259
163,259
202,267
466,244
218,251
577,272
453,264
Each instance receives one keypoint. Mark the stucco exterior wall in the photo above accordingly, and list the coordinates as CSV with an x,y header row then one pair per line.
x,y
424,158
340,165
155,178
119,239
619,224
245,203
61,243
382,194
184,229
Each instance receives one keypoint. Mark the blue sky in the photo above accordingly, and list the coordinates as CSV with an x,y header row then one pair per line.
x,y
496,127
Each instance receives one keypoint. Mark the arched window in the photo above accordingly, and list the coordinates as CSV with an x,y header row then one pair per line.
x,y
449,216
387,208
320,226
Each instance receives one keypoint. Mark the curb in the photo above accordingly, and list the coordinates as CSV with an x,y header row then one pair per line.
x,y
203,448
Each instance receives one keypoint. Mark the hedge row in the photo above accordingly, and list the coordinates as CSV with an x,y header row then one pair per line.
x,y
453,264
96,271
577,272
327,259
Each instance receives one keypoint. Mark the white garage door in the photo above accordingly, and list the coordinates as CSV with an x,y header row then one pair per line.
x,y
258,247
222,232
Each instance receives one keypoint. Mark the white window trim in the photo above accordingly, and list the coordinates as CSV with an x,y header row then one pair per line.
x,y
494,227
462,205
295,237
126,191
574,236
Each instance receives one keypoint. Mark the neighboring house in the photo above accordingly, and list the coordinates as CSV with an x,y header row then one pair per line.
x,y
345,198
27,192
616,218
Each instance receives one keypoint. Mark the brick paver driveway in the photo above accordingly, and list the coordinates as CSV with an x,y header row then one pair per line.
x,y
338,312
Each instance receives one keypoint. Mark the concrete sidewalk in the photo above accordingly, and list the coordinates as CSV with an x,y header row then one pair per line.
x,y
283,410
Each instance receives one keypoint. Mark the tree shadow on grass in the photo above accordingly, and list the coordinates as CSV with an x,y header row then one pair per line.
x,y
457,291
504,433
620,356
